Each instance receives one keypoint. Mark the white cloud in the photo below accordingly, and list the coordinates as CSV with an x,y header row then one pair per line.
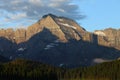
x,y
15,2
34,9
36,2
15,17
53,4
61,10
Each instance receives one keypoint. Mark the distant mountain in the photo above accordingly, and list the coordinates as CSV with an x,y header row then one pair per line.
x,y
60,41
112,36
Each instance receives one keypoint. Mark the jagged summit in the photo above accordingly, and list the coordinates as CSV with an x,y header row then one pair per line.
x,y
59,40
51,15
61,27
64,29
69,28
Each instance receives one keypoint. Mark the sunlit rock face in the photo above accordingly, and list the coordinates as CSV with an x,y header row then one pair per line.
x,y
60,41
64,29
61,27
109,37
113,37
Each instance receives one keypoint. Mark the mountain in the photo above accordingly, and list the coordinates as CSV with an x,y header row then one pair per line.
x,y
60,41
62,28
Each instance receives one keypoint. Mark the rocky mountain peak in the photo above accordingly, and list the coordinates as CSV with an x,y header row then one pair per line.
x,y
51,15
61,27
64,29
59,40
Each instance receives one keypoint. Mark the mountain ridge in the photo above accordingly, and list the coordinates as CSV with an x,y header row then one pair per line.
x,y
35,28
58,40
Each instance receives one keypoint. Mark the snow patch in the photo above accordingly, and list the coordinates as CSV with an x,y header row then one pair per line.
x,y
21,49
60,19
64,24
100,60
48,47
61,65
99,33
51,45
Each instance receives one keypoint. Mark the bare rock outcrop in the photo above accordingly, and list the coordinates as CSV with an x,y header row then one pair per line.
x,y
109,37
64,29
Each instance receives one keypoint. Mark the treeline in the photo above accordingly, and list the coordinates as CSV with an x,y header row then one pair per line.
x,y
104,71
29,70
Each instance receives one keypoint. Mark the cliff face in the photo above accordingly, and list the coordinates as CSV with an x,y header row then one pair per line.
x,y
59,40
15,36
113,37
109,37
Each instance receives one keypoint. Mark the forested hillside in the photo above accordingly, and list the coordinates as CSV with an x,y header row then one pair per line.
x,y
29,70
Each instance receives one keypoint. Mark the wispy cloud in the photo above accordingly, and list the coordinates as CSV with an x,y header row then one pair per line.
x,y
17,16
15,10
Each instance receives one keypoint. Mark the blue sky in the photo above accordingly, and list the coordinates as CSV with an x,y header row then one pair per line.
x,y
99,14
